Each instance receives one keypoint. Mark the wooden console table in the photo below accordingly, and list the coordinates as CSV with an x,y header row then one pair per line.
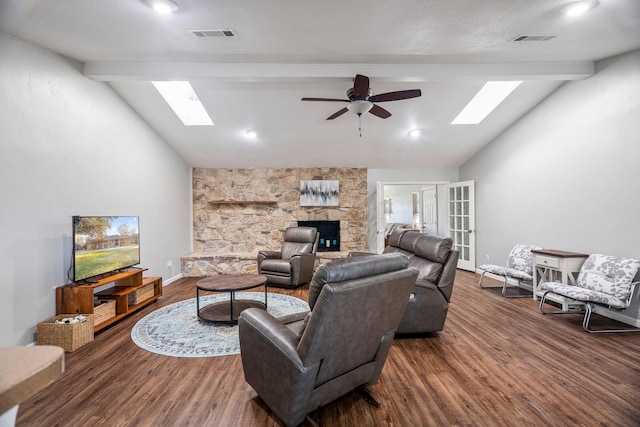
x,y
551,265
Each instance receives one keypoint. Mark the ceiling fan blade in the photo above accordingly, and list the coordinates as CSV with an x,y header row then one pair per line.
x,y
396,96
380,112
361,87
325,99
337,114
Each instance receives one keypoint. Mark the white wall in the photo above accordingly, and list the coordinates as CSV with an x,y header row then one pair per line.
x,y
70,146
567,175
399,176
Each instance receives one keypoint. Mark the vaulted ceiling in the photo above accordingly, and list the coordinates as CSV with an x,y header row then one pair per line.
x,y
284,50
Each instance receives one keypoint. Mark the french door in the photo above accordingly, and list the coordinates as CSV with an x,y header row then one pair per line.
x,y
462,222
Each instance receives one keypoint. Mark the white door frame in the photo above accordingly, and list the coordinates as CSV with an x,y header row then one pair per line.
x,y
380,220
462,222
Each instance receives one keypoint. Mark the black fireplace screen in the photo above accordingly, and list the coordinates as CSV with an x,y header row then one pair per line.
x,y
329,234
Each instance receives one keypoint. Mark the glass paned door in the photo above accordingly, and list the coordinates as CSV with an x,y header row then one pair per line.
x,y
462,222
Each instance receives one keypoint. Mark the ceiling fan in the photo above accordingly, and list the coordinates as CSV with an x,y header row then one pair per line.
x,y
361,100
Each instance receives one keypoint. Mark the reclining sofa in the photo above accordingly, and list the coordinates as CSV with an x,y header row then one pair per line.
x,y
436,262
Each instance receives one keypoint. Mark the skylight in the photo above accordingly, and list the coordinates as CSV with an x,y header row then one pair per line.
x,y
485,101
184,102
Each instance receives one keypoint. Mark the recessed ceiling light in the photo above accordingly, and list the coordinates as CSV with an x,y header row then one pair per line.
x,y
580,7
484,102
414,133
184,102
252,134
164,7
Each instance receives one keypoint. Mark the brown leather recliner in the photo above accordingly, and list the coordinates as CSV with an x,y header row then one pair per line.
x,y
301,362
293,265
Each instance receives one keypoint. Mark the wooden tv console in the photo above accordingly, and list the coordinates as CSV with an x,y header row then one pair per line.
x,y
79,298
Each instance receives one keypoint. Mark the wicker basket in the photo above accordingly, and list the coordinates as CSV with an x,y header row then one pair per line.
x,y
104,310
69,336
142,293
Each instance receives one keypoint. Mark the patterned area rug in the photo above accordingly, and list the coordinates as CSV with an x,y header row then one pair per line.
x,y
175,330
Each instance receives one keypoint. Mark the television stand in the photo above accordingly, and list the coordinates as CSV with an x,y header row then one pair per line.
x,y
78,298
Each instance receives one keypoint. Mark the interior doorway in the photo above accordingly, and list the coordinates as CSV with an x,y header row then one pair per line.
x,y
400,204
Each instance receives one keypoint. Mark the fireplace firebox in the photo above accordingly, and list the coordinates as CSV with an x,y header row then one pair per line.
x,y
329,234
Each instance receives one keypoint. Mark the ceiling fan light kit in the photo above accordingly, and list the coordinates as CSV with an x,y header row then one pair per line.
x,y
360,106
362,101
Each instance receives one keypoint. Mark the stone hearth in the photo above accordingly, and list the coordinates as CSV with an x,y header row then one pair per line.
x,y
208,264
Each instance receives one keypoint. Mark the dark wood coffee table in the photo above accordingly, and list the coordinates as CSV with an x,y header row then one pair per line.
x,y
228,311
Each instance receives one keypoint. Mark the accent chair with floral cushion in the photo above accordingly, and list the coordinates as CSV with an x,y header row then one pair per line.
x,y
603,280
519,267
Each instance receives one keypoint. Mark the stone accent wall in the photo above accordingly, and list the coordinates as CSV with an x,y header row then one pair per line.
x,y
249,228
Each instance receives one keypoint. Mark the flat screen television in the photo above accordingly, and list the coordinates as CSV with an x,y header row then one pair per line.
x,y
104,244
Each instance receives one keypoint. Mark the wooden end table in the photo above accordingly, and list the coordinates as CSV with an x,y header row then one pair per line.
x,y
228,311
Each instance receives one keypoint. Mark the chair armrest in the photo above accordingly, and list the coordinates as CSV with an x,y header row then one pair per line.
x,y
302,268
273,367
255,323
262,255
425,284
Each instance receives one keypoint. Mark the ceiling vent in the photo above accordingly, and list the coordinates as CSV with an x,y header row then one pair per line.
x,y
533,38
204,34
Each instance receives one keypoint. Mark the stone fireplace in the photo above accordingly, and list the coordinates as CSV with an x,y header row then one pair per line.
x,y
238,212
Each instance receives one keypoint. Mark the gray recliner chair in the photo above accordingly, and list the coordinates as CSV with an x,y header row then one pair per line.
x,y
301,362
292,266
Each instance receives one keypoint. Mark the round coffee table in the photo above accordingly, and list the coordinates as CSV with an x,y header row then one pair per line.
x,y
228,311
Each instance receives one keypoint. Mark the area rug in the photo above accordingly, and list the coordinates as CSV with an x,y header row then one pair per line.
x,y
175,330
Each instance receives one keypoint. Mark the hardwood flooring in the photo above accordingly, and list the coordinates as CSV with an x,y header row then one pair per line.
x,y
498,362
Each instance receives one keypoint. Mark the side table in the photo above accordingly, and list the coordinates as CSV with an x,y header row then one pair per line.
x,y
228,311
551,265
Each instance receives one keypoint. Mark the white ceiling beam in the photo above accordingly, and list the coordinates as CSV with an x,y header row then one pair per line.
x,y
147,71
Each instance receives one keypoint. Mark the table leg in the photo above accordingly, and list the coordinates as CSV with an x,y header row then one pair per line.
x,y
265,297
233,297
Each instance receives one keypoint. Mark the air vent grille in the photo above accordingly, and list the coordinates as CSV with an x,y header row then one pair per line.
x,y
533,38
203,34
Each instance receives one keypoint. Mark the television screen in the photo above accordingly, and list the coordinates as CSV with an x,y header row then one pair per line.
x,y
102,244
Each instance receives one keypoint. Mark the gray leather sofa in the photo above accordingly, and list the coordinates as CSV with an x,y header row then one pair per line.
x,y
301,362
291,266
436,261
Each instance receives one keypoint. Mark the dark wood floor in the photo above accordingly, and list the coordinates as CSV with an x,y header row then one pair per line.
x,y
499,362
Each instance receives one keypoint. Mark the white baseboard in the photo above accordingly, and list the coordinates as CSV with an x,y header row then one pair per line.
x,y
617,315
171,280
